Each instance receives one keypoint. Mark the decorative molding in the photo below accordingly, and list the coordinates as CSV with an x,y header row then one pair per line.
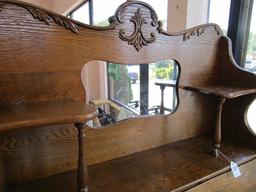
x,y
45,16
218,29
199,31
195,31
137,39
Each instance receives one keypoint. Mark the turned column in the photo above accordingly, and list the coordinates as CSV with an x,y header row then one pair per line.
x,y
217,129
82,171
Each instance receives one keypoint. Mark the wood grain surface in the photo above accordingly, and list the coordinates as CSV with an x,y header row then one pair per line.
x,y
227,182
41,61
2,177
174,167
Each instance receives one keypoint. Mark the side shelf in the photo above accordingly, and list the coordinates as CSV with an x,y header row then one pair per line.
x,y
31,115
44,113
175,167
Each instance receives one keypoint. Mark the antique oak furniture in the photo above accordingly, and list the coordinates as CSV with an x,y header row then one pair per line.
x,y
42,97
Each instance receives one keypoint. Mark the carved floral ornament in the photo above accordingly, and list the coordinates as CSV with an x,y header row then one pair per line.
x,y
137,39
45,16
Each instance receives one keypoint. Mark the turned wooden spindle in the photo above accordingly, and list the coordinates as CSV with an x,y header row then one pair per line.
x,y
82,171
217,130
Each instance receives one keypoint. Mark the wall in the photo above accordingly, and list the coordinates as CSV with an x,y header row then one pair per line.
x,y
63,7
58,6
184,14
47,4
177,15
197,12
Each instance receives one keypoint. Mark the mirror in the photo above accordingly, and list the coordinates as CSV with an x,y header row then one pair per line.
x,y
126,91
250,117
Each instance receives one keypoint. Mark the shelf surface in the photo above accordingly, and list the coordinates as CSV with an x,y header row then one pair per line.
x,y
221,91
45,113
174,167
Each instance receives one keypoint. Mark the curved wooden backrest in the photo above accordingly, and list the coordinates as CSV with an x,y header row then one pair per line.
x,y
42,53
41,58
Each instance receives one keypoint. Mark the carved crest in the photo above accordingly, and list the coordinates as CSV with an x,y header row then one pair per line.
x,y
138,37
45,16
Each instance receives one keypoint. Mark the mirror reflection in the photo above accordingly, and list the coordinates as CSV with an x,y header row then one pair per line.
x,y
251,117
133,90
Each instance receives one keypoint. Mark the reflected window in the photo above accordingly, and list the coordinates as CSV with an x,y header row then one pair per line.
x,y
146,89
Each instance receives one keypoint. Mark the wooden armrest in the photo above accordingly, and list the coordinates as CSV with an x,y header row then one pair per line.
x,y
39,114
231,74
221,91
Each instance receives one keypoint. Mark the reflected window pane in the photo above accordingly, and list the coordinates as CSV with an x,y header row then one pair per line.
x,y
219,13
82,14
250,62
146,89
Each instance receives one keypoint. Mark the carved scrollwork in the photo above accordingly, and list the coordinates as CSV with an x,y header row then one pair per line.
x,y
137,39
1,6
144,14
39,14
197,31
45,16
217,29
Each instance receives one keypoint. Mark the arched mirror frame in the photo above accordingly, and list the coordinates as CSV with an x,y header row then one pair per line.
x,y
96,123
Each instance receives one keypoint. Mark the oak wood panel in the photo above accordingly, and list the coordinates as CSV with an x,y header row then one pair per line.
x,y
41,87
2,177
227,182
230,73
174,167
34,50
235,123
135,135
